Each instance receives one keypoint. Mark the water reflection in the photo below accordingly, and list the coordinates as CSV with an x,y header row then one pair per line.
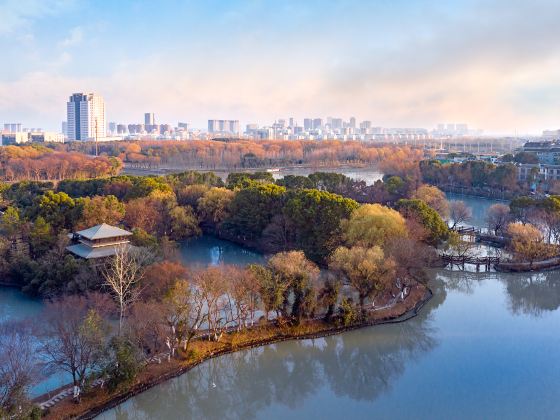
x,y
533,294
360,365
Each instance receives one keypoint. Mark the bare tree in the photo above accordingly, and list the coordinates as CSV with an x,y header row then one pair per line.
x,y
218,304
147,326
122,274
459,213
498,217
184,312
73,336
17,369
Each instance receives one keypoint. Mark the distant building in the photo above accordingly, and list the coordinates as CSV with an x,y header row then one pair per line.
x,y
86,117
45,137
13,127
183,125
548,152
122,129
14,138
65,128
223,126
317,123
100,241
352,122
308,124
149,118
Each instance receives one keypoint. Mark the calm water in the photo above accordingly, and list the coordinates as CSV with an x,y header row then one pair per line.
x,y
369,175
201,251
478,206
484,347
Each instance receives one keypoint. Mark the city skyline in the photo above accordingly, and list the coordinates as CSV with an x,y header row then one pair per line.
x,y
403,64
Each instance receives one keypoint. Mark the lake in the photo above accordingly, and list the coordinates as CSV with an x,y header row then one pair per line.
x,y
484,347
197,252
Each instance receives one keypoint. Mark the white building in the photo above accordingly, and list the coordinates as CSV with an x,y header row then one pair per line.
x,y
86,117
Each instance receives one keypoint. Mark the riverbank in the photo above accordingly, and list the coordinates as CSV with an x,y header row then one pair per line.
x,y
99,400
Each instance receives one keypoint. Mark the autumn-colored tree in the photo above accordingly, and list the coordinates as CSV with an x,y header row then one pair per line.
x,y
367,269
159,277
434,197
528,242
373,224
185,310
213,206
271,289
99,209
300,275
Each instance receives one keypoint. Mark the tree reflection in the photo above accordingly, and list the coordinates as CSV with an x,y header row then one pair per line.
x,y
361,365
533,294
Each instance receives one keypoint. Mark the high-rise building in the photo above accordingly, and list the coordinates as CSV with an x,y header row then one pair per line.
x,y
317,123
64,128
308,124
149,119
292,122
336,123
352,123
223,126
86,117
13,127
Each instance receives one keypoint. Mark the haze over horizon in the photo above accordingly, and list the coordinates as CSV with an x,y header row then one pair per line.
x,y
492,65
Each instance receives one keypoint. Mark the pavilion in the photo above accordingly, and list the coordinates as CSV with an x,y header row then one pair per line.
x,y
99,241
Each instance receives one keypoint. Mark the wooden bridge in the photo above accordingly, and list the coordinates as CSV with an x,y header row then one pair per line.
x,y
486,262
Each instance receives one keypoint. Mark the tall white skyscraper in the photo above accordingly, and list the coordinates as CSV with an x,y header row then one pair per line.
x,y
86,117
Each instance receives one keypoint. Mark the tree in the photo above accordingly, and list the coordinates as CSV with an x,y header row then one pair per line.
x,y
41,237
373,224
300,275
185,305
328,296
18,363
419,211
73,337
497,218
528,242
213,288
11,221
160,277
271,289
459,213
183,223
147,327
367,269
316,219
99,209
123,362
252,209
244,291
57,209
213,206
189,195
122,274
433,197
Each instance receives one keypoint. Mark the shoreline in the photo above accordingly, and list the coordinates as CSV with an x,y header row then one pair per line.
x,y
176,368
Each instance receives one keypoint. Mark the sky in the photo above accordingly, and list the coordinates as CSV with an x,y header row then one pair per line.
x,y
399,63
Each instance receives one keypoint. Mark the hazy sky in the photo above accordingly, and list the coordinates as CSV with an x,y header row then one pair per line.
x,y
491,64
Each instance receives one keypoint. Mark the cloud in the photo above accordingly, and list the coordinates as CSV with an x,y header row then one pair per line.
x,y
492,65
19,13
74,38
